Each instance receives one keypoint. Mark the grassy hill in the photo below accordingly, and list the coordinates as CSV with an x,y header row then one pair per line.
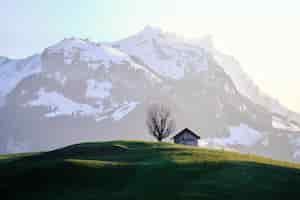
x,y
143,170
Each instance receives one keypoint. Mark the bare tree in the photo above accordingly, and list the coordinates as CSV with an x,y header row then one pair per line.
x,y
160,121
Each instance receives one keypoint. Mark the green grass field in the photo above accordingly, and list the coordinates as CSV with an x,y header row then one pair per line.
x,y
144,170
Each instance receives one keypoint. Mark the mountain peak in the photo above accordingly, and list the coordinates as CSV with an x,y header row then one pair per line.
x,y
68,43
150,32
151,29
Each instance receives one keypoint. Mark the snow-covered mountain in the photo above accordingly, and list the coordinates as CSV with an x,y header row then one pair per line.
x,y
78,90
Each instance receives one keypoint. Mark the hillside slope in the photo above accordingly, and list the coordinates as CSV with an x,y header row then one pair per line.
x,y
143,170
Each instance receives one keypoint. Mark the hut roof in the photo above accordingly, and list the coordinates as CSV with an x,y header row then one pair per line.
x,y
186,130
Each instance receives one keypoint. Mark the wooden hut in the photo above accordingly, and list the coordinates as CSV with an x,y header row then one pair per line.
x,y
186,137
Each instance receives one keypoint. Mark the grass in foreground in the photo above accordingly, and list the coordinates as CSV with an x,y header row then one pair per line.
x,y
144,170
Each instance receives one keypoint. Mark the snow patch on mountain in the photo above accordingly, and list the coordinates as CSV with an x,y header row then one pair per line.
x,y
13,72
241,135
98,89
57,76
278,123
123,110
59,105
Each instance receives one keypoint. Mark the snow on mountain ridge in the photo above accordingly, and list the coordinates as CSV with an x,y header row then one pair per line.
x,y
88,52
167,55
150,31
95,55
248,88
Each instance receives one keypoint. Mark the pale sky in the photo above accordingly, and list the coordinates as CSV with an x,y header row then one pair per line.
x,y
263,35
